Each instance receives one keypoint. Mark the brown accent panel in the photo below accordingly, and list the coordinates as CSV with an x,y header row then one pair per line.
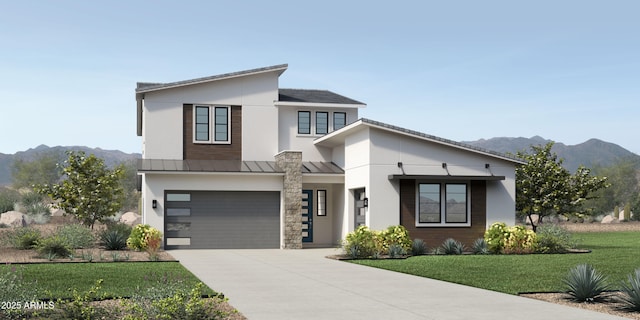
x,y
434,236
203,151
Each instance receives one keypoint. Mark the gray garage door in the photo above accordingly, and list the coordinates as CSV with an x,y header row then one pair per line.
x,y
222,220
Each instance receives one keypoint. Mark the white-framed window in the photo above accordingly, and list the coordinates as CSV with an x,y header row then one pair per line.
x,y
443,204
211,124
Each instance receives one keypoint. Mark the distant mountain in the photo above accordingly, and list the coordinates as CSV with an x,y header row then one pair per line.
x,y
589,153
111,157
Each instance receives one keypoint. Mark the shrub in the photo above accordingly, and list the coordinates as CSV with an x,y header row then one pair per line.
x,y
24,238
76,235
584,283
115,236
418,247
480,246
153,240
53,245
520,240
451,246
393,235
396,251
631,292
14,286
8,199
552,238
495,237
359,243
141,235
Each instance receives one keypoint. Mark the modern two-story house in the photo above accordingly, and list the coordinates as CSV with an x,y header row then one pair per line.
x,y
235,161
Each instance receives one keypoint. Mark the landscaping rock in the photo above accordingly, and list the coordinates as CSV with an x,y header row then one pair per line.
x,y
131,218
609,219
13,219
534,217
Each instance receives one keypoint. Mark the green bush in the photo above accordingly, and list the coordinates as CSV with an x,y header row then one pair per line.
x,y
631,292
451,246
54,246
480,246
495,236
396,251
76,236
141,236
418,247
552,238
585,284
393,235
359,243
8,199
517,239
23,238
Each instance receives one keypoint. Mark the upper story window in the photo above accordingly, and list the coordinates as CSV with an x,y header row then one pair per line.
x,y
322,122
212,124
339,120
304,122
443,204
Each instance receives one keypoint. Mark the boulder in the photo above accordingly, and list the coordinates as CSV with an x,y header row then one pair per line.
x,y
13,219
608,219
534,217
131,218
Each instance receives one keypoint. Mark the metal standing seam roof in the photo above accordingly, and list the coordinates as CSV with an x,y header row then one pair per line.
x,y
237,166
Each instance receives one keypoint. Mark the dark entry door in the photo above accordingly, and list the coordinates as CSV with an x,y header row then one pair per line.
x,y
307,215
360,208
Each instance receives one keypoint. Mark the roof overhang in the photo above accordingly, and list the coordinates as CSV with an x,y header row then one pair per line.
x,y
337,137
233,167
317,105
445,177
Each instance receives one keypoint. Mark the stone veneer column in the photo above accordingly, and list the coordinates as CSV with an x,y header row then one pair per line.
x,y
291,163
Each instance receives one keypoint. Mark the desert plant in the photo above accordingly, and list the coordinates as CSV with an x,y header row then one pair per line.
x,y
627,212
585,284
76,235
480,246
359,243
153,240
53,245
24,238
552,238
115,256
113,240
631,292
451,246
80,306
418,247
396,251
8,199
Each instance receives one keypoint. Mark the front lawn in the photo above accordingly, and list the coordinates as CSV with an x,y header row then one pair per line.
x,y
121,279
615,254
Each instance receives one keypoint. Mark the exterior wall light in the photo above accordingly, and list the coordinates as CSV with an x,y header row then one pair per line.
x,y
154,203
365,202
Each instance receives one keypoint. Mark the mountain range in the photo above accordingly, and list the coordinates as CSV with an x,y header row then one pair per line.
x,y
590,153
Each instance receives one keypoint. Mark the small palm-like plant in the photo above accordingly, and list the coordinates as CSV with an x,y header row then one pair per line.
x,y
418,247
396,251
585,284
480,246
631,292
451,246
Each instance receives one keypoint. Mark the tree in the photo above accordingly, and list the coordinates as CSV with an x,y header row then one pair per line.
x,y
544,187
623,177
42,170
89,190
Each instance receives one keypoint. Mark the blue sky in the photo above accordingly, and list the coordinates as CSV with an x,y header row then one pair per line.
x,y
463,70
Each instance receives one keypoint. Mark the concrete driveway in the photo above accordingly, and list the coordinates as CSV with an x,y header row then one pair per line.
x,y
302,284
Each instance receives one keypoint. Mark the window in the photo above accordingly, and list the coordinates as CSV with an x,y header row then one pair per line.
x,y
322,122
178,197
443,204
339,120
304,122
212,119
322,202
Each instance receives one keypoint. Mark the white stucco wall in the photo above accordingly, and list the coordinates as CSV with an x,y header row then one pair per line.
x,y
259,132
156,184
289,139
163,123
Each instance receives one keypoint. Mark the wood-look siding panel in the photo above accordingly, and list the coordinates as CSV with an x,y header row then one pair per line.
x,y
200,151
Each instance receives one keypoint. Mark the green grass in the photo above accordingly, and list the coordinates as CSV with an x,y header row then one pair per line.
x,y
615,254
121,279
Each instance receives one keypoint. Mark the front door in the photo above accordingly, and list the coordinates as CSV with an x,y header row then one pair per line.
x,y
307,215
360,208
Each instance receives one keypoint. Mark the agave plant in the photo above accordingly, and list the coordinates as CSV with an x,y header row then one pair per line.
x,y
585,284
451,246
396,251
631,292
480,246
418,247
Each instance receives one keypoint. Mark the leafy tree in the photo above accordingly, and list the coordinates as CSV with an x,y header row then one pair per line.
x,y
130,185
89,191
544,187
623,177
42,170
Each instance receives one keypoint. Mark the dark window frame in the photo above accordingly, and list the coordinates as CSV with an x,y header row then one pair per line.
x,y
308,128
322,128
213,124
343,123
444,205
